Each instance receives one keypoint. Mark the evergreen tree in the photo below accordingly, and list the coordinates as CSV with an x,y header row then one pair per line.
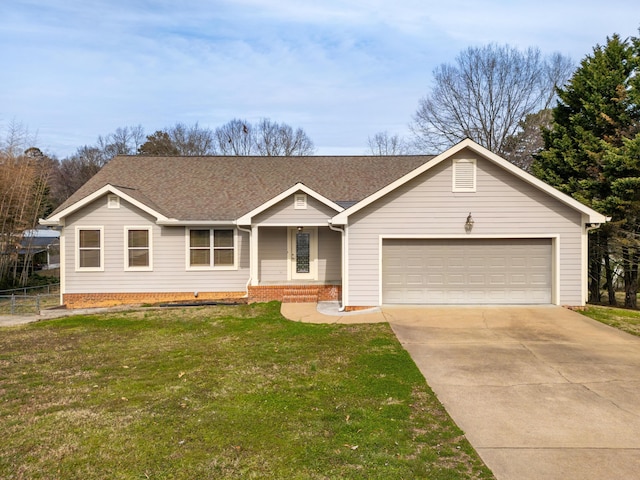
x,y
591,152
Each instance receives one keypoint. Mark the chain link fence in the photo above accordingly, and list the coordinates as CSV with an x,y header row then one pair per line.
x,y
29,300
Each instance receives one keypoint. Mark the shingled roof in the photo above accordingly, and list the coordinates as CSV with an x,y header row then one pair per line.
x,y
224,188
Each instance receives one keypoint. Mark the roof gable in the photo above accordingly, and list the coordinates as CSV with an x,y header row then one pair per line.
x,y
298,187
592,215
56,218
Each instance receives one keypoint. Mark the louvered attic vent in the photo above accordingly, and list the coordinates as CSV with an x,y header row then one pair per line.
x,y
464,175
300,201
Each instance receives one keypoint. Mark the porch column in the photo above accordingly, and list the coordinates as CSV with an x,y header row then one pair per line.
x,y
254,256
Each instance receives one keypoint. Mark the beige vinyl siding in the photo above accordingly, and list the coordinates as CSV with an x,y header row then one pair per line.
x,y
284,213
169,272
273,251
329,255
272,248
502,205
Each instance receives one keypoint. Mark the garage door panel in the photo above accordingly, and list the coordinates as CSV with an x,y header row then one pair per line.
x,y
476,279
467,271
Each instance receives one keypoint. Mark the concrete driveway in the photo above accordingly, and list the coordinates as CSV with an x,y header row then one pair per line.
x,y
540,392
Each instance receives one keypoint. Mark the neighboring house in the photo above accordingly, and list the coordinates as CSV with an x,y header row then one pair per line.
x,y
463,227
39,249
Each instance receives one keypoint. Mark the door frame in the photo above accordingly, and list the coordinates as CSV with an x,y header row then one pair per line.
x,y
292,275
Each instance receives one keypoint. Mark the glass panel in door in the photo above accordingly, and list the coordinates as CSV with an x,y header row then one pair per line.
x,y
303,252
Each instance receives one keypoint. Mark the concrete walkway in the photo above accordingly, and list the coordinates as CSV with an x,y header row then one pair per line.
x,y
328,312
540,392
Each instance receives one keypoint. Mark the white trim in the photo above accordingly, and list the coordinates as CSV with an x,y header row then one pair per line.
x,y
253,253
57,218
313,255
211,266
76,248
456,236
172,222
63,263
454,174
295,224
346,268
342,218
127,267
555,254
298,187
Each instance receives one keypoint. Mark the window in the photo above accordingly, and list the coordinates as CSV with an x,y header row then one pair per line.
x,y
90,253
211,248
138,248
464,176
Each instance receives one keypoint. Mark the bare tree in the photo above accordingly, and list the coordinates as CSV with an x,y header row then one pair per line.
x,y
192,140
235,138
180,140
72,172
24,174
273,138
268,138
123,141
383,143
486,95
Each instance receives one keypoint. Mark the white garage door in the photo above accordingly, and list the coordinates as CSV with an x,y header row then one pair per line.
x,y
466,271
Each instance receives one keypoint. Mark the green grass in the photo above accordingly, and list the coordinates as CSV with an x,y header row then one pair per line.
x,y
219,392
626,320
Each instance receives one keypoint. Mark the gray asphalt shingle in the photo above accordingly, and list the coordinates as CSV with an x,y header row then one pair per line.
x,y
225,188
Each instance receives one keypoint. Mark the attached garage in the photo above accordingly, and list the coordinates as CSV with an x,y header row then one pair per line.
x,y
467,271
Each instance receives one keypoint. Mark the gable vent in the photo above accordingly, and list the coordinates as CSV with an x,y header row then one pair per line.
x,y
300,201
113,201
464,176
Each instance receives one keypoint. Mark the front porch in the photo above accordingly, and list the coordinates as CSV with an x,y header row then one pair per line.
x,y
296,264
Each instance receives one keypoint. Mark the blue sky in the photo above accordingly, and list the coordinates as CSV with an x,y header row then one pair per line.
x,y
341,70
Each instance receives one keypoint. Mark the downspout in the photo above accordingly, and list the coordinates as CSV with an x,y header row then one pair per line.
x,y
341,230
246,288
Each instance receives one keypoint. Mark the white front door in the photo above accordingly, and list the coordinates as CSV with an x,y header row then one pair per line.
x,y
303,253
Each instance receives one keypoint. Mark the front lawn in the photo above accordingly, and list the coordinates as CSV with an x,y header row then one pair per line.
x,y
626,320
219,392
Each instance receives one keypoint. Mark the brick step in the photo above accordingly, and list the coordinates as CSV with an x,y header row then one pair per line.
x,y
300,291
300,298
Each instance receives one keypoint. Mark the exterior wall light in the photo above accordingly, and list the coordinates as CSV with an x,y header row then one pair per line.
x,y
468,225
300,229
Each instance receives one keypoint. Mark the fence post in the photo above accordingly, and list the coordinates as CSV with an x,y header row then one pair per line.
x,y
38,304
13,304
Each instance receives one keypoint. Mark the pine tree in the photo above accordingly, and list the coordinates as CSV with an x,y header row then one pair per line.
x,y
591,152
